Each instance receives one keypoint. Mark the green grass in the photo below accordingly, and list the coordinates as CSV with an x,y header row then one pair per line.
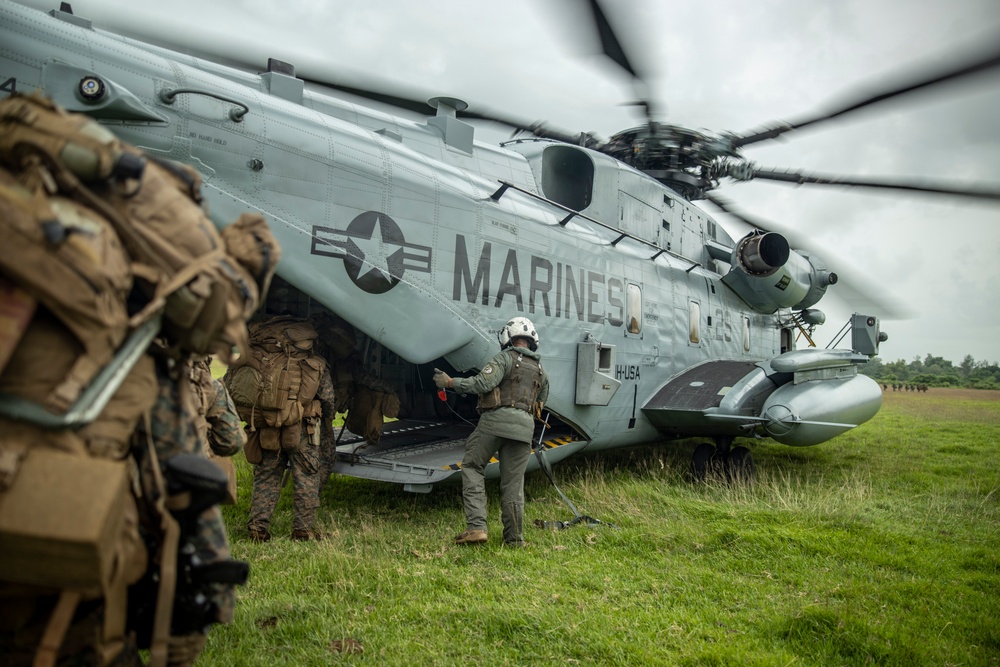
x,y
878,548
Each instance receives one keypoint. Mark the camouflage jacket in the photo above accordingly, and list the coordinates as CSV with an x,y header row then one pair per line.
x,y
218,422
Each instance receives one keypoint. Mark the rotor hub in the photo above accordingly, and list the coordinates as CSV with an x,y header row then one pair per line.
x,y
680,158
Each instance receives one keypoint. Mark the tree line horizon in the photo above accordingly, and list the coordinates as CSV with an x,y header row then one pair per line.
x,y
935,372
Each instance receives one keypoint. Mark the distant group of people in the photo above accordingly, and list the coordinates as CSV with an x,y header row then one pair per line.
x,y
902,386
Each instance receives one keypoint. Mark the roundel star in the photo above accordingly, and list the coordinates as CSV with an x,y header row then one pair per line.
x,y
374,251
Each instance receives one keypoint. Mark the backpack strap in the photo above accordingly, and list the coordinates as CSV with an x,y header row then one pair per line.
x,y
55,630
158,650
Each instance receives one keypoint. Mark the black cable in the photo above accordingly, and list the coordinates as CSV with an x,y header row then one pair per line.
x,y
578,518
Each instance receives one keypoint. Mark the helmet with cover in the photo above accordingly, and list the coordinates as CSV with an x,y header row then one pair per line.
x,y
518,327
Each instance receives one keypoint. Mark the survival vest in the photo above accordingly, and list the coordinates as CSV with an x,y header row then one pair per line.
x,y
519,388
274,386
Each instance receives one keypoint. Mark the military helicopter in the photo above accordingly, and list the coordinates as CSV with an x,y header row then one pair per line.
x,y
419,242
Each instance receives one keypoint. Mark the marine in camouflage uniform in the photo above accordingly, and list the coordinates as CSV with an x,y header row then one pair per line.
x,y
307,470
80,273
503,429
172,429
219,424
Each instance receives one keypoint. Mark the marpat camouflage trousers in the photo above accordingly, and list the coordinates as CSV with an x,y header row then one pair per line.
x,y
307,478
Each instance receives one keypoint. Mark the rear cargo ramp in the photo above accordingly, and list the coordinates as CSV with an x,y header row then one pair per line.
x,y
419,455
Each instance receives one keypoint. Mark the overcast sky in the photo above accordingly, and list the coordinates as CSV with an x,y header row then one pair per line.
x,y
719,65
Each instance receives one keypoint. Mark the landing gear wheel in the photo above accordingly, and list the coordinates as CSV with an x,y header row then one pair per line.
x,y
702,462
740,466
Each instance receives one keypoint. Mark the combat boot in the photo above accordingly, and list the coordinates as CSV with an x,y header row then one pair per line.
x,y
472,536
259,535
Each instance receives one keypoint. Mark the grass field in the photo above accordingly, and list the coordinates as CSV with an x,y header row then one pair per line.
x,y
881,547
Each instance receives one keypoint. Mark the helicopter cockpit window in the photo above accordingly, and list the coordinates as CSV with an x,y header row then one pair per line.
x,y
567,176
694,328
633,306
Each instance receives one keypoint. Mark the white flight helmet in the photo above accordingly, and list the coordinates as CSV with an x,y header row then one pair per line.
x,y
519,327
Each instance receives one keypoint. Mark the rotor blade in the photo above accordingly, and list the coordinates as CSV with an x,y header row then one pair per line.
x,y
981,64
609,41
726,206
538,128
989,193
733,210
612,47
399,101
854,289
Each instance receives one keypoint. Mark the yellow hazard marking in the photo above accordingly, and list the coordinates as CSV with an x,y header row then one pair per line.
x,y
548,444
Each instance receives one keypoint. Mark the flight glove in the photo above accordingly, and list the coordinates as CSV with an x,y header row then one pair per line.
x,y
441,379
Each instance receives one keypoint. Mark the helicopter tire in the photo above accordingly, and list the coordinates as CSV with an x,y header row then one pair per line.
x,y
702,462
739,466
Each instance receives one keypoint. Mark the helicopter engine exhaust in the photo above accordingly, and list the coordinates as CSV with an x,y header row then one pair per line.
x,y
768,275
762,254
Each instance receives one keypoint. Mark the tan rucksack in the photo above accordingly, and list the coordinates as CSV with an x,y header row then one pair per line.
x,y
372,401
63,317
66,259
92,228
207,284
274,387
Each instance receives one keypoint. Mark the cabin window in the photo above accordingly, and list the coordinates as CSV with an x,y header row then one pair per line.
x,y
633,305
694,328
568,177
746,334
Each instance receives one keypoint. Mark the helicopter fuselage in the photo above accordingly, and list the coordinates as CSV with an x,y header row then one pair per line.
x,y
426,241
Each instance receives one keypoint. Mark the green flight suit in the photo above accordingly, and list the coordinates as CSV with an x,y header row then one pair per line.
x,y
505,431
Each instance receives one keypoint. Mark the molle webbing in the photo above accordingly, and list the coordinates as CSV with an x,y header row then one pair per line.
x,y
519,388
286,374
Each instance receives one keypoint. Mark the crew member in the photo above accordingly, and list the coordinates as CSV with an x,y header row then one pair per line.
x,y
512,389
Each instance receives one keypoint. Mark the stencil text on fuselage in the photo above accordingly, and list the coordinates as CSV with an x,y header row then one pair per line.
x,y
506,278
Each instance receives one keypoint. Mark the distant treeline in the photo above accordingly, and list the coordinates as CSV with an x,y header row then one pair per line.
x,y
935,372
